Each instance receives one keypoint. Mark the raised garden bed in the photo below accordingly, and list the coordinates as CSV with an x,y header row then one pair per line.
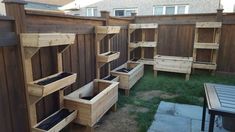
x,y
50,84
92,101
129,73
56,122
173,64
108,56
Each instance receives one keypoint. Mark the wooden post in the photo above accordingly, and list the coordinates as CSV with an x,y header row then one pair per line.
x,y
219,15
15,9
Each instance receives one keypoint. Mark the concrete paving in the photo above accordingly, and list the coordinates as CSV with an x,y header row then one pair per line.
x,y
172,117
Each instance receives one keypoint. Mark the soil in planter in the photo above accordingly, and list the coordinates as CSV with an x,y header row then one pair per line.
x,y
125,70
110,78
110,53
53,79
55,119
89,97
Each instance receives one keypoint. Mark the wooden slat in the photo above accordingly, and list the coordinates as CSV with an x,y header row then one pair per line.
x,y
8,39
206,45
208,25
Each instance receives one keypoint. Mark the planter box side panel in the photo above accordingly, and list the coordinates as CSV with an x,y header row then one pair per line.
x,y
102,105
84,111
136,76
173,66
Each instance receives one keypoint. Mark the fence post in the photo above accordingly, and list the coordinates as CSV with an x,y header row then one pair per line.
x,y
133,15
15,9
106,15
219,15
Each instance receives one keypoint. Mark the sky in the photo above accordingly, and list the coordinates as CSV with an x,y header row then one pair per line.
x,y
228,5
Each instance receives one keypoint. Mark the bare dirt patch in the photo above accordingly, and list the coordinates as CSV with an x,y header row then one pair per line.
x,y
148,95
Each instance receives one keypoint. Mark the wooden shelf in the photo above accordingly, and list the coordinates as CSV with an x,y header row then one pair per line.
x,y
143,44
143,26
50,84
173,64
206,45
146,61
46,39
108,56
204,65
128,79
92,101
208,25
43,126
107,29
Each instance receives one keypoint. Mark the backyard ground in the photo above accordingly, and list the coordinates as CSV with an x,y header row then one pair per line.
x,y
136,112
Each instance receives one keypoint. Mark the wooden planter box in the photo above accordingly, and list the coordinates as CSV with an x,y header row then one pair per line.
x,y
50,84
127,80
56,127
90,111
173,64
107,29
108,56
46,39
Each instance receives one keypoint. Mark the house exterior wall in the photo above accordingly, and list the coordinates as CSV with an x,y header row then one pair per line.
x,y
145,7
2,9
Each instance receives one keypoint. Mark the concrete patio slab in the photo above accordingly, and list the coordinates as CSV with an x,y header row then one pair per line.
x,y
172,117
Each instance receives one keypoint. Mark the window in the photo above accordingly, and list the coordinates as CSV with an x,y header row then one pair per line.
x,y
124,12
91,12
170,10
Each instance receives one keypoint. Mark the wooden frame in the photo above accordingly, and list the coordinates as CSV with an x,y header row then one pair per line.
x,y
46,39
90,111
101,58
44,90
107,29
173,64
143,26
213,46
127,80
31,43
105,58
59,126
143,43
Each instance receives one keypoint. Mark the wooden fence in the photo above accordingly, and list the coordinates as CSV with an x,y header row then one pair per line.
x,y
176,35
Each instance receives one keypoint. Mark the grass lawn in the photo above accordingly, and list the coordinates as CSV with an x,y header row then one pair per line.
x,y
186,92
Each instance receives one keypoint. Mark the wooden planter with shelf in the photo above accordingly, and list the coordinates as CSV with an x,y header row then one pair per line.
x,y
49,124
128,79
46,39
173,64
92,101
107,29
108,56
50,84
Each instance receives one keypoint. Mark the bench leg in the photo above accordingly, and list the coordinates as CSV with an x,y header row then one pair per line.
x,y
212,121
155,73
187,77
203,115
127,92
114,107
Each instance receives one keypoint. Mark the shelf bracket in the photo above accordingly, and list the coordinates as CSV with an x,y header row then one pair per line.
x,y
62,48
30,51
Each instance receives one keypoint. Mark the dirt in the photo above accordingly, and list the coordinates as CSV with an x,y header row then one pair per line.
x,y
155,93
120,121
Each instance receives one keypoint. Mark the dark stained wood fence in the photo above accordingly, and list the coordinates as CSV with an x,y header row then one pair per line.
x,y
176,35
13,106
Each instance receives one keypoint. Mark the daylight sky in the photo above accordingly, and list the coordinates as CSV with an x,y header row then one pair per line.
x,y
228,5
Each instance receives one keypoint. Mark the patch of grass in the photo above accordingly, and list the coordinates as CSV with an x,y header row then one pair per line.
x,y
189,92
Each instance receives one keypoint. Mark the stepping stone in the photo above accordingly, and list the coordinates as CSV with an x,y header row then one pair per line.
x,y
166,108
169,123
